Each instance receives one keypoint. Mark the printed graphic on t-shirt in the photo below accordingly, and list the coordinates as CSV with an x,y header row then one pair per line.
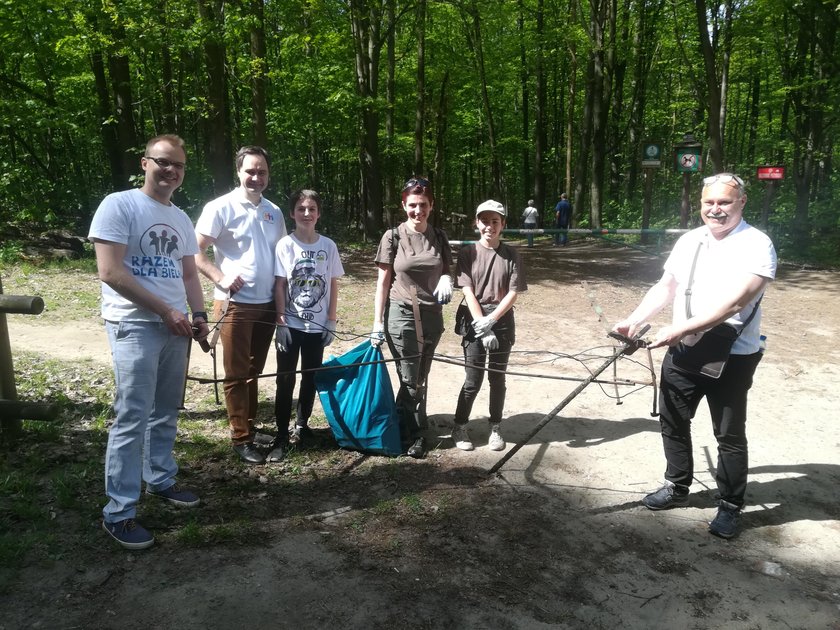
x,y
268,216
306,286
160,246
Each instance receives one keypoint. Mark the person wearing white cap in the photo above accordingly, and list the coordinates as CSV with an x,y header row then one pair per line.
x,y
491,275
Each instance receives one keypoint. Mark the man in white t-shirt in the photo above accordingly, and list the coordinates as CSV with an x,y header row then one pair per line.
x,y
530,217
715,274
243,228
145,254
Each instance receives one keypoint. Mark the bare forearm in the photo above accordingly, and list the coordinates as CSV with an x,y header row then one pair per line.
x,y
332,311
280,285
505,305
208,268
121,281
383,283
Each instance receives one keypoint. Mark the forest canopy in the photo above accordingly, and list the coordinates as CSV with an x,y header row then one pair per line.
x,y
512,100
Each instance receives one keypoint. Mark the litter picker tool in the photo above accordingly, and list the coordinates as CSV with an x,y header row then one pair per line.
x,y
630,345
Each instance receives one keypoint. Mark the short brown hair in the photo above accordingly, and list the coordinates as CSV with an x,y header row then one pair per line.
x,y
251,150
171,138
304,193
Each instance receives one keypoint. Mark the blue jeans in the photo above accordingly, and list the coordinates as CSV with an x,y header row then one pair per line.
x,y
561,238
530,237
150,366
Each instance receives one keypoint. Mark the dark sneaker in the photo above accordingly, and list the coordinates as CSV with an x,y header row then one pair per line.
x,y
176,496
262,439
129,534
668,496
248,454
418,449
725,523
278,453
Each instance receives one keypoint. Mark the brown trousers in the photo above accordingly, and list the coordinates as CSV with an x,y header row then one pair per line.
x,y
246,336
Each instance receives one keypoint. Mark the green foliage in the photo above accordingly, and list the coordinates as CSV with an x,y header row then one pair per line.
x,y
58,116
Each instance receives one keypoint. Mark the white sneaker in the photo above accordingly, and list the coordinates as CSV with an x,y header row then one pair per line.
x,y
461,437
495,442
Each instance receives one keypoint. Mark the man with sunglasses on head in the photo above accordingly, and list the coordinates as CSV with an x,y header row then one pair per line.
x,y
716,274
243,227
145,253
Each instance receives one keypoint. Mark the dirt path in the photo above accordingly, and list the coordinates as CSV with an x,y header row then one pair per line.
x,y
558,539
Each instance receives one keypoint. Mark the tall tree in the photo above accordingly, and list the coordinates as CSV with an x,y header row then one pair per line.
x,y
420,102
258,73
217,139
366,29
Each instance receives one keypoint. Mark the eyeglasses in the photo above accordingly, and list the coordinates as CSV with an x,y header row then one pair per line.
x,y
164,163
723,178
414,182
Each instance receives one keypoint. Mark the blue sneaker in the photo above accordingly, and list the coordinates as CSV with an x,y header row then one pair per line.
x,y
725,523
176,496
668,496
129,534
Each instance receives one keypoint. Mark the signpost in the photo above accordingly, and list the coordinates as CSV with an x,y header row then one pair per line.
x,y
687,160
772,175
651,154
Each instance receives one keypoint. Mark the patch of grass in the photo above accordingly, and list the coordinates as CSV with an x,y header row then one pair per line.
x,y
195,534
70,289
198,449
413,503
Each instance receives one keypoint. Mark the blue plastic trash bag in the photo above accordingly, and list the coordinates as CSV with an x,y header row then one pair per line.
x,y
359,402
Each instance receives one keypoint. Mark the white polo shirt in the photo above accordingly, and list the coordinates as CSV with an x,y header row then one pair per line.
x,y
245,237
720,262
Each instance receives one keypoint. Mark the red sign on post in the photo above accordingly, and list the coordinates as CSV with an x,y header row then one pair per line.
x,y
770,172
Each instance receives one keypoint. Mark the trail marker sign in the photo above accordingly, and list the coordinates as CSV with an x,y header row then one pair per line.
x,y
770,172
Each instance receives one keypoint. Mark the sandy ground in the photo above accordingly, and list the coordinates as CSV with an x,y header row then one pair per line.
x,y
558,539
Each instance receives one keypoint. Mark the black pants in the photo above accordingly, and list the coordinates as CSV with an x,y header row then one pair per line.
x,y
679,397
308,347
475,358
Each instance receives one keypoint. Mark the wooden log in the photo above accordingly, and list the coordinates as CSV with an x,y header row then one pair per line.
x,y
22,410
21,304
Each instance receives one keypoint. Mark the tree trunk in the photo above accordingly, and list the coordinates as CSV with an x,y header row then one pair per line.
x,y
541,117
258,74
120,72
218,143
713,102
420,103
119,178
477,46
526,97
365,22
391,201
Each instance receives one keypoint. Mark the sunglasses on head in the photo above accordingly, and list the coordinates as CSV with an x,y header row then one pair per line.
x,y
414,182
723,178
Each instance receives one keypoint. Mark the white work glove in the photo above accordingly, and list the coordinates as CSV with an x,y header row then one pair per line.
x,y
443,291
329,333
282,338
483,325
377,335
490,341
